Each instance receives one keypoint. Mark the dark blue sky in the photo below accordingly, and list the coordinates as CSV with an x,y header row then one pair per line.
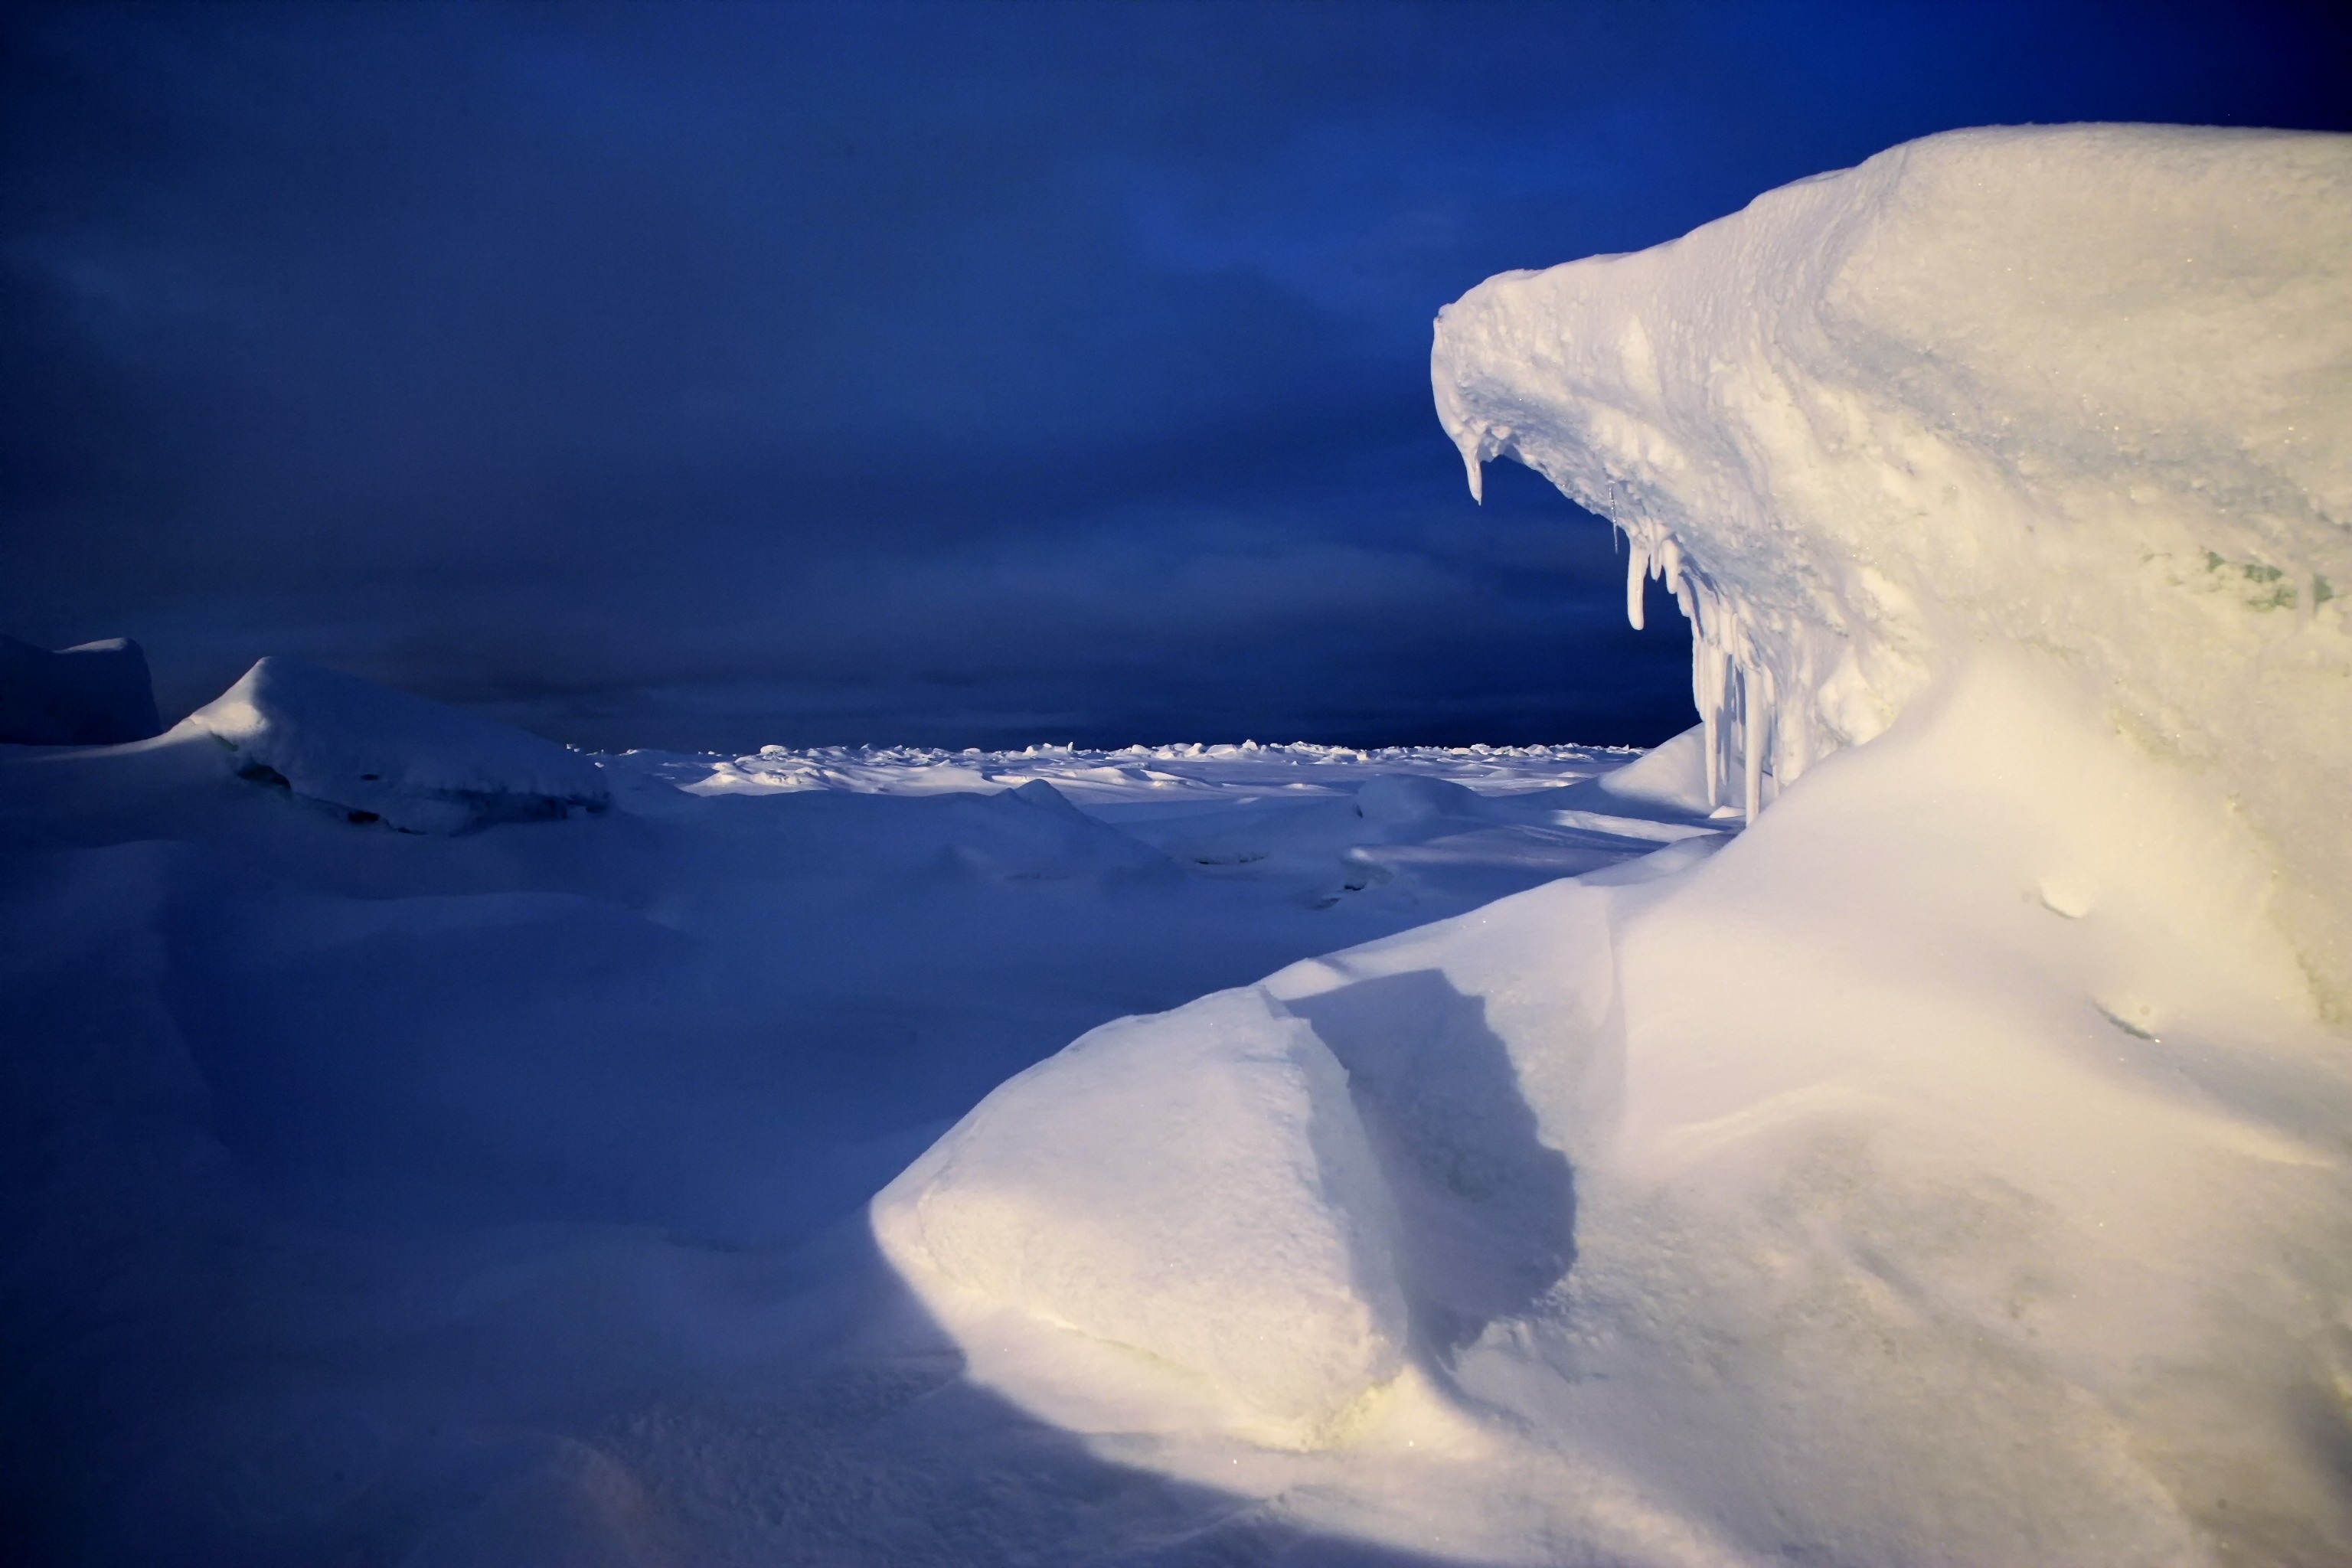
x,y
964,373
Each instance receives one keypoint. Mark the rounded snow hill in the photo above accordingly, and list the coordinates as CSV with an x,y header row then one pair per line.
x,y
379,755
1238,1235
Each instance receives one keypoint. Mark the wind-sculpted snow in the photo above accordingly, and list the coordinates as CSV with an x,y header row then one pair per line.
x,y
2085,390
379,755
1955,1167
1239,1231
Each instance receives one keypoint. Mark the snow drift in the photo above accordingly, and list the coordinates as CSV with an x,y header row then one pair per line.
x,y
379,755
1953,1167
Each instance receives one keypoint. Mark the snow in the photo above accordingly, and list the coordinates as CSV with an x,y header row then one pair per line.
x,y
377,754
2087,389
1237,1229
95,693
1951,1169
409,1194
1902,1121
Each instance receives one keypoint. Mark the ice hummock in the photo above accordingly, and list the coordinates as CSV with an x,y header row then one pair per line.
x,y
93,694
377,754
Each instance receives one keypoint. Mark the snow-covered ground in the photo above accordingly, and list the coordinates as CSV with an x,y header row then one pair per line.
x,y
408,1117
1903,1121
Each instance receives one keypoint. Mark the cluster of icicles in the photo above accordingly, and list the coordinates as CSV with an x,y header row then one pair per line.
x,y
1747,732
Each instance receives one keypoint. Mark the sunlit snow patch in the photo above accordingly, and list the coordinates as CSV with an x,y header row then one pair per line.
x,y
1237,1236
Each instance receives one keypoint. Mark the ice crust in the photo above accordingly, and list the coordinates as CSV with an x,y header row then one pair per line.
x,y
2085,389
381,755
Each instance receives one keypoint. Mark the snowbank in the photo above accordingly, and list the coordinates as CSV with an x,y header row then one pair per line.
x,y
93,694
1965,1187
2085,389
1953,1167
379,755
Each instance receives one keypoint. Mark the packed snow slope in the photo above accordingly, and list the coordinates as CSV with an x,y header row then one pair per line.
x,y
2086,390
1952,1168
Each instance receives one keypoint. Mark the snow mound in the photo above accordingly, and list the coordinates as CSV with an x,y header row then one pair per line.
x,y
93,694
1194,1188
375,754
1890,1188
2085,389
1670,777
1406,797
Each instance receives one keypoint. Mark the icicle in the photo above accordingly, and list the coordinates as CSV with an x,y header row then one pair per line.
x,y
1726,726
1703,698
1637,570
1477,473
1753,714
1792,733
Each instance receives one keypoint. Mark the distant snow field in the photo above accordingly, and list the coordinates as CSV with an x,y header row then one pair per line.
x,y
1905,1119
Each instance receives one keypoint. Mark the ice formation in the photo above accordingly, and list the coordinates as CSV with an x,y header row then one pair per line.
x,y
2082,389
377,755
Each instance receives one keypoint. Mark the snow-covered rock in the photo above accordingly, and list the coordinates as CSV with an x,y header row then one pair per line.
x,y
379,755
93,694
